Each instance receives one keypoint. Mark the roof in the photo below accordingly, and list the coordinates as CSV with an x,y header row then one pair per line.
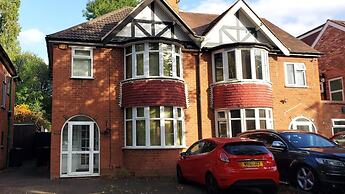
x,y
225,140
6,61
200,23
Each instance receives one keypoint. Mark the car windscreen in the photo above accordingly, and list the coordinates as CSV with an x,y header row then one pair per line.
x,y
246,148
307,140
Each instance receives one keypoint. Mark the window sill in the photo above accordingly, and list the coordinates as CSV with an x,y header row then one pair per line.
x,y
249,81
154,148
153,78
82,78
294,86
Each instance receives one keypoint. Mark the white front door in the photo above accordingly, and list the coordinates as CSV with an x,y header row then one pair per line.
x,y
82,154
303,126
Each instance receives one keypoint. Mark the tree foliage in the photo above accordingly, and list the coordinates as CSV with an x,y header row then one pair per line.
x,y
9,27
35,88
95,8
23,114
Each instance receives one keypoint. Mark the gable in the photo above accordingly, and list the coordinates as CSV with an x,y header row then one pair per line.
x,y
240,24
155,20
330,23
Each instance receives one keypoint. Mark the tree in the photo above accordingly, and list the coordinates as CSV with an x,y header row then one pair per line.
x,y
35,88
95,8
9,27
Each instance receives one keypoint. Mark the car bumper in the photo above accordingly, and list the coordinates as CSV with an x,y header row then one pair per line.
x,y
269,178
333,179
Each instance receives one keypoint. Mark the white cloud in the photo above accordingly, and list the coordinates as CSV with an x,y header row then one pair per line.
x,y
31,36
294,16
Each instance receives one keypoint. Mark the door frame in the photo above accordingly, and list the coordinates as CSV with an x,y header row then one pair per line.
x,y
70,152
294,123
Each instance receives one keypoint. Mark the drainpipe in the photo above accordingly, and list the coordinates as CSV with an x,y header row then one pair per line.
x,y
9,121
198,96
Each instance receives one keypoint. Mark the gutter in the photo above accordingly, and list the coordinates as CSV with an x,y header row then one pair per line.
x,y
198,96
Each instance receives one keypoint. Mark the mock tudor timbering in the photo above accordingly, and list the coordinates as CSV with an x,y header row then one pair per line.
x,y
158,79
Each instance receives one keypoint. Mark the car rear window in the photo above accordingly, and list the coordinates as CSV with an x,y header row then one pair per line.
x,y
246,149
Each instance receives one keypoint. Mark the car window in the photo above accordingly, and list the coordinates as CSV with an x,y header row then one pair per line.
x,y
209,147
340,140
307,140
196,148
246,148
266,138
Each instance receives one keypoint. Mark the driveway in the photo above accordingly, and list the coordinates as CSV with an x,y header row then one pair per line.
x,y
29,179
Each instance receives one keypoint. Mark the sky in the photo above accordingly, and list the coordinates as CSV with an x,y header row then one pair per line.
x,y
39,18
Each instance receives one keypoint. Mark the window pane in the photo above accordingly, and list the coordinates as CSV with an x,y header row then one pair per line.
x,y
336,85
141,136
155,133
250,113
177,49
169,133
179,133
128,49
218,61
236,128
154,46
64,164
300,79
178,66
258,63
235,113
339,122
154,112
95,138
82,53
337,96
128,113
129,137
168,112
263,124
128,66
221,115
139,47
232,64
140,64
167,64
154,64
246,67
338,129
140,112
262,113
179,112
222,129
290,71
250,124
82,67
167,47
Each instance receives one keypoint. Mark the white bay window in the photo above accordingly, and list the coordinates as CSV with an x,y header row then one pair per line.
x,y
154,127
229,123
241,64
153,60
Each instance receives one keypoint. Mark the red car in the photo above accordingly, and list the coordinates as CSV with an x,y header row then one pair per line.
x,y
222,163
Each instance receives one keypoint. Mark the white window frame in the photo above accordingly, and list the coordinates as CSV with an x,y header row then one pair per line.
x,y
293,124
336,91
337,126
146,54
295,85
228,119
238,62
147,119
82,57
3,93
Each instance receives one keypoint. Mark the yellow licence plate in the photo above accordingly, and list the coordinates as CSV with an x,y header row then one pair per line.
x,y
251,164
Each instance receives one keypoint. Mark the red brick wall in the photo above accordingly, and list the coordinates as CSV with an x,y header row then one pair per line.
x,y
242,95
153,93
290,102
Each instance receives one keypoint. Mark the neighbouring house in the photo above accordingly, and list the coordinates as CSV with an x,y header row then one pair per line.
x,y
135,87
329,38
8,76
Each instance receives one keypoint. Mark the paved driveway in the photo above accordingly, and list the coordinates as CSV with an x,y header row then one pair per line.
x,y
36,180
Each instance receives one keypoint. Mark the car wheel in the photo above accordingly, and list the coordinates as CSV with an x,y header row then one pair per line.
x,y
306,179
179,175
212,185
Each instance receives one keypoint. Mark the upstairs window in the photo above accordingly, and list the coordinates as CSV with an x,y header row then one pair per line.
x,y
295,75
82,63
336,89
153,60
3,94
241,64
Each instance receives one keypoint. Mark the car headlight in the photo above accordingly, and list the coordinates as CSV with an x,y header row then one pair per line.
x,y
330,162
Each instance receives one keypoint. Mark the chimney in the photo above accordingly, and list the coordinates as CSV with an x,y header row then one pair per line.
x,y
174,4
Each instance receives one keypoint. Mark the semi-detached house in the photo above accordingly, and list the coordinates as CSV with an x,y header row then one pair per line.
x,y
133,88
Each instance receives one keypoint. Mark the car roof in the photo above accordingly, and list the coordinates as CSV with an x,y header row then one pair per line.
x,y
225,140
338,134
277,131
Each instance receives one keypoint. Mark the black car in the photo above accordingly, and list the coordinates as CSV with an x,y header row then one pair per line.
x,y
307,159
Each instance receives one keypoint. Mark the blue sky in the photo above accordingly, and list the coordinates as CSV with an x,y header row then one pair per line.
x,y
41,17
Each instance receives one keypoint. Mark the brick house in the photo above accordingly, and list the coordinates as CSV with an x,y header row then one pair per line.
x,y
133,88
329,39
8,76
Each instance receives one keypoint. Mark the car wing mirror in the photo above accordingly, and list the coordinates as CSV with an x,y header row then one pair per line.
x,y
279,144
184,154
